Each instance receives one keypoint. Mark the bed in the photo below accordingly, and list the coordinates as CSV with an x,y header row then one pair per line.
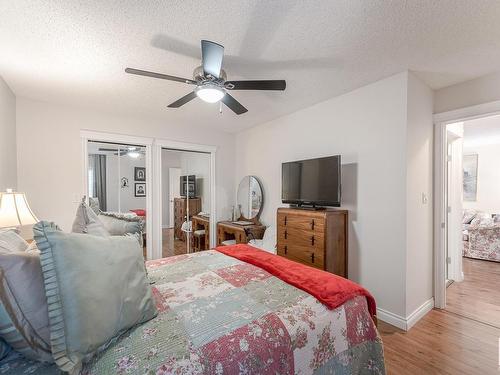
x,y
221,315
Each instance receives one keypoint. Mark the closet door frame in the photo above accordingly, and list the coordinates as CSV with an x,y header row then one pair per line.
x,y
160,144
89,135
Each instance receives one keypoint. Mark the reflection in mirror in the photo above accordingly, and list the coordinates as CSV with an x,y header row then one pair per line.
x,y
186,201
250,198
117,187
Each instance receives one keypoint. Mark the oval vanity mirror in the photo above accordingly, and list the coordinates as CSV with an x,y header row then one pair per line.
x,y
250,198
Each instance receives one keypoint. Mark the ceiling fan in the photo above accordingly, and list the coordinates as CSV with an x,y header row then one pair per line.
x,y
211,80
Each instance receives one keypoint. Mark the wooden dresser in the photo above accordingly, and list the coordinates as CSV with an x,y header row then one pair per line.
x,y
180,211
314,238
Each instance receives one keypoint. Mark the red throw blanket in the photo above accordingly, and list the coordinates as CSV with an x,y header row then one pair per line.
x,y
331,290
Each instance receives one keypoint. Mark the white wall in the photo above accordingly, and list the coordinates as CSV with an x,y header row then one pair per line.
x,y
419,213
114,191
488,178
384,133
476,91
169,159
50,157
367,127
8,154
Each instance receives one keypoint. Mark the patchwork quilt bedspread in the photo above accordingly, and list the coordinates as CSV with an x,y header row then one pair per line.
x,y
219,315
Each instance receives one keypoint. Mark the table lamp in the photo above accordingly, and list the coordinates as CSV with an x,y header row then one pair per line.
x,y
15,210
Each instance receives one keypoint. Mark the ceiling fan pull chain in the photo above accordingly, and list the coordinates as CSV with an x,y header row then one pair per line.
x,y
220,108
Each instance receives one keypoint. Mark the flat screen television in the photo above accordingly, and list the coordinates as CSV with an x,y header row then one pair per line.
x,y
313,182
188,186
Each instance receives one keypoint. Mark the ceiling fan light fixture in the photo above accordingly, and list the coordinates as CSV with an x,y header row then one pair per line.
x,y
133,154
210,93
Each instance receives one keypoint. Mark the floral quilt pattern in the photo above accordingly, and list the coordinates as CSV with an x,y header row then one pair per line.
x,y
218,315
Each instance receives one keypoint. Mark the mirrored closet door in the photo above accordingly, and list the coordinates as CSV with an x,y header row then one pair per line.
x,y
185,201
116,187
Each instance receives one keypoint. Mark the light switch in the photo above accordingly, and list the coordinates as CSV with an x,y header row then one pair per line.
x,y
424,198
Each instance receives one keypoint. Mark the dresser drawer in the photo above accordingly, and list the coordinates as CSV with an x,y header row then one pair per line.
x,y
306,254
316,224
306,239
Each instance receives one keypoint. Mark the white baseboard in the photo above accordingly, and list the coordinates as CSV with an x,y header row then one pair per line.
x,y
419,313
393,319
408,322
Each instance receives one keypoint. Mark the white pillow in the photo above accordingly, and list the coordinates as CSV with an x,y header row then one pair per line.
x,y
86,221
269,239
11,242
268,242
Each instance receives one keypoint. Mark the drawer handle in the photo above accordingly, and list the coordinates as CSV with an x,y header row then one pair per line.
x,y
312,257
312,240
286,249
285,220
312,224
286,234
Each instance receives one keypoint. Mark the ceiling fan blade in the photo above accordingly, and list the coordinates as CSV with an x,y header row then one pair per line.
x,y
159,75
183,100
211,57
278,84
233,104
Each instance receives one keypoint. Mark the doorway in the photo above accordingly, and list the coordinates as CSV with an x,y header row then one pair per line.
x,y
468,212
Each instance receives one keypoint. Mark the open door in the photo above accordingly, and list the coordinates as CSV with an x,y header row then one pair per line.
x,y
454,187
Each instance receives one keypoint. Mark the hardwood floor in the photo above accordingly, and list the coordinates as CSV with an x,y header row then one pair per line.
x,y
478,296
441,343
463,339
170,245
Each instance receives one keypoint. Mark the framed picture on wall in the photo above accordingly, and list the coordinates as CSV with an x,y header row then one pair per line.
x,y
140,189
470,177
140,174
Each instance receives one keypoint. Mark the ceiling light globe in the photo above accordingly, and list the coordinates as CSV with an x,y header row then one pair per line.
x,y
133,154
210,94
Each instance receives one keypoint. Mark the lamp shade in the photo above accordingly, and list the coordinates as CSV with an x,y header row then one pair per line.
x,y
15,210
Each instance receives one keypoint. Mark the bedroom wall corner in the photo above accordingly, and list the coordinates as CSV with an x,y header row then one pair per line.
x,y
50,154
8,143
476,91
419,199
368,128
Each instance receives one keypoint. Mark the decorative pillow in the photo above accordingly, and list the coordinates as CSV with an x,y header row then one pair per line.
x,y
86,221
269,239
96,289
32,248
12,336
118,226
10,241
482,219
4,349
94,205
468,216
23,297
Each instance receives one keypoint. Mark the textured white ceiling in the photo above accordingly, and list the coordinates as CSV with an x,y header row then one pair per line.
x,y
75,51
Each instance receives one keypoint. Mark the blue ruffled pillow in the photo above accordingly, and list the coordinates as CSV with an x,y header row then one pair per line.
x,y
96,290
